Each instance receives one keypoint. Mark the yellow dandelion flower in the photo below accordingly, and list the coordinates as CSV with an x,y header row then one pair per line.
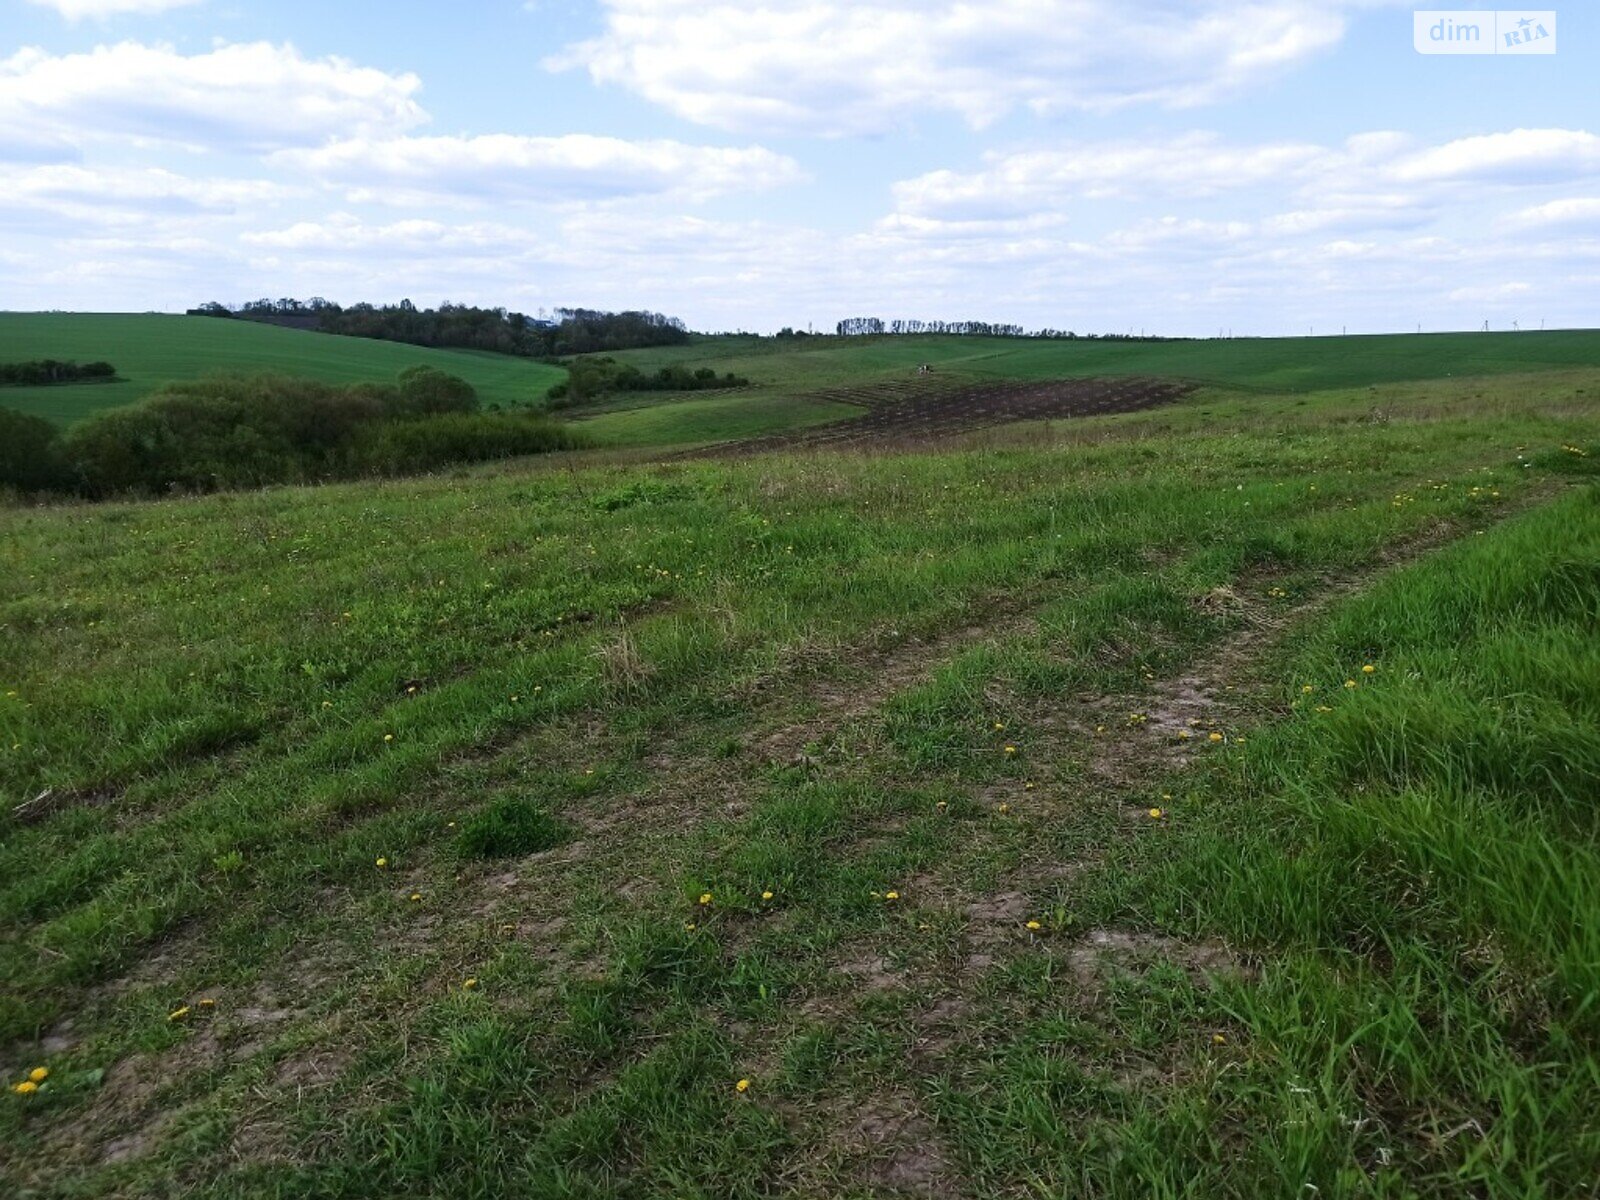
x,y
1218,1039
1011,749
26,1088
207,1002
382,863
767,895
1214,737
1156,814
1029,786
388,737
1307,690
1369,669
689,925
416,897
742,1086
1034,925
891,895
705,899
469,984
38,1074
178,1013
1349,683
1004,808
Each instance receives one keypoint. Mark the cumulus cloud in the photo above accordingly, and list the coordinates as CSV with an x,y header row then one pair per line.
x,y
125,194
244,97
574,167
77,10
1569,211
1371,181
827,67
1517,156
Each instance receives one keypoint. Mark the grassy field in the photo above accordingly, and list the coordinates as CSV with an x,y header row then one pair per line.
x,y
149,350
1271,364
679,421
1190,803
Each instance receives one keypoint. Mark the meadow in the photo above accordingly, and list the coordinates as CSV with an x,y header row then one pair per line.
x,y
1193,802
149,350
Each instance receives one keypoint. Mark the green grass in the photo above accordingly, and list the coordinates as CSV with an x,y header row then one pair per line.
x,y
1271,364
711,419
149,350
565,703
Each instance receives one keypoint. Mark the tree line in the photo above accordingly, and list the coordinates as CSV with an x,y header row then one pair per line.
x,y
236,431
865,326
463,326
42,372
591,377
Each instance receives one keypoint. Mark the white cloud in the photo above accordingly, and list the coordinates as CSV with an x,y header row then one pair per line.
x,y
498,167
827,67
1571,211
1517,156
1032,181
77,10
242,97
127,194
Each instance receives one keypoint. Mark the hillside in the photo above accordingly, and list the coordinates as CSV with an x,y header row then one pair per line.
x,y
1194,801
150,349
1269,364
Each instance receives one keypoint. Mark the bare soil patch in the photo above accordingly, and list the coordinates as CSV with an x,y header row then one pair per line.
x,y
901,414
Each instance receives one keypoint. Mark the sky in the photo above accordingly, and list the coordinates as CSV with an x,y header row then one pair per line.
x,y
1185,167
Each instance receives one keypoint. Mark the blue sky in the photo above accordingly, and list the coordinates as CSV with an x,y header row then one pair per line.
x,y
1182,166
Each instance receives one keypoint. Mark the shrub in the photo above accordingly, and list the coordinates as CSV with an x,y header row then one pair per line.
x,y
510,827
248,431
398,447
428,391
30,454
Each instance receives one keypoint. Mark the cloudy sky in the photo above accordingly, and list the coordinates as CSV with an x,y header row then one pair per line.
x,y
1181,166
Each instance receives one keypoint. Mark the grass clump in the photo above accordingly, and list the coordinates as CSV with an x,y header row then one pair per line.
x,y
510,827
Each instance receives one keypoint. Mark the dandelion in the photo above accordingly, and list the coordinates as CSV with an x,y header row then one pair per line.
x,y
705,899
416,897
1369,669
767,895
382,863
178,1013
26,1088
689,925
1350,684
207,1002
1034,926
1156,814
1184,735
1307,690
891,895
1218,1039
469,985
1323,708
388,737
1011,749
1004,808
1029,786
1214,736
742,1086
998,726
38,1074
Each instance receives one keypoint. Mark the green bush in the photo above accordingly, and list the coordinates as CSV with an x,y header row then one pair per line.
x,y
428,391
232,431
399,447
30,454
510,827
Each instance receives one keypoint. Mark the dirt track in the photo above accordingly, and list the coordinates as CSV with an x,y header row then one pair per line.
x,y
900,412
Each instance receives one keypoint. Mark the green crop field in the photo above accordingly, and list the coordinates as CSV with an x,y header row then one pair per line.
x,y
1194,802
149,350
1272,364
